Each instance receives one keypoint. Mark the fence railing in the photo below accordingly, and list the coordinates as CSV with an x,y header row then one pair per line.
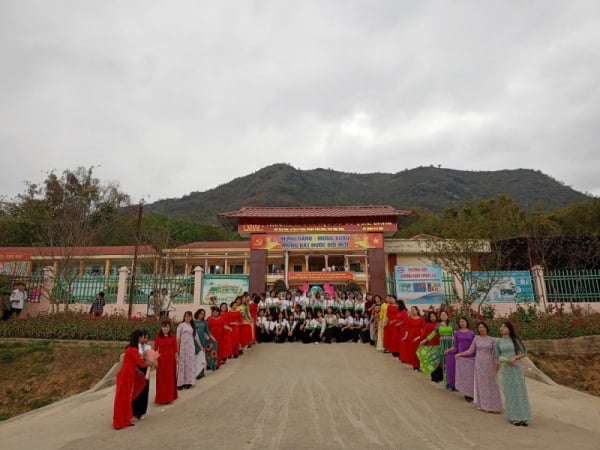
x,y
84,288
573,285
179,287
561,286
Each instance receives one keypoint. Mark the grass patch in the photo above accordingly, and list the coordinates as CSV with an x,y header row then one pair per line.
x,y
34,374
40,402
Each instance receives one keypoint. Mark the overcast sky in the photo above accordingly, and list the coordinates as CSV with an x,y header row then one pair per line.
x,y
173,97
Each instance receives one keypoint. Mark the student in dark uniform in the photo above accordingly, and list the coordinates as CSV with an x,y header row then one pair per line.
x,y
330,326
348,327
281,327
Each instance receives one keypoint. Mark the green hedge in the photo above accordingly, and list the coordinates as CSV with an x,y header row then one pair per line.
x,y
76,325
529,322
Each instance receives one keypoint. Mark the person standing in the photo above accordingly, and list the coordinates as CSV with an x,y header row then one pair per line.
x,y
139,403
382,321
429,349
374,315
126,382
390,331
17,299
221,331
460,372
165,303
401,326
486,392
207,340
97,308
150,308
509,351
165,343
411,338
186,337
442,337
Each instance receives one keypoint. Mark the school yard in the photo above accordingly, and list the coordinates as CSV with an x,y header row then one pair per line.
x,y
296,396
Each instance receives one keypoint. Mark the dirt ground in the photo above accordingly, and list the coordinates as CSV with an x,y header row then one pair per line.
x,y
576,371
33,375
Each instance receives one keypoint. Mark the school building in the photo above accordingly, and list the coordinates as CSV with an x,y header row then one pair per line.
x,y
301,247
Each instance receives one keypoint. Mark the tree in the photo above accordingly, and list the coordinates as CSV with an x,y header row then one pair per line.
x,y
67,213
473,238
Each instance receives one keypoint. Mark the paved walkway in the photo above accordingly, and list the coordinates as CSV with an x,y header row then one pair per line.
x,y
295,396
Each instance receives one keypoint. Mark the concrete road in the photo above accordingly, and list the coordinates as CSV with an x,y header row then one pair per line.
x,y
296,396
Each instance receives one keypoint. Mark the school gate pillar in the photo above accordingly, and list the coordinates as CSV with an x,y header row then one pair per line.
x,y
198,271
258,270
376,270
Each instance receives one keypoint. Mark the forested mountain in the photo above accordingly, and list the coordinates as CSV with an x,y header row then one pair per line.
x,y
427,188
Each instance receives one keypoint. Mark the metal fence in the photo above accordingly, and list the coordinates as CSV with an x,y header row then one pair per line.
x,y
80,289
573,285
85,288
179,287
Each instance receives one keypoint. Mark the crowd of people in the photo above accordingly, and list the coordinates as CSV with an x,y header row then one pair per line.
x,y
476,365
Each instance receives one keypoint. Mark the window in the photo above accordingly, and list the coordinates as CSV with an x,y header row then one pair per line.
x,y
297,267
275,269
217,269
355,266
236,268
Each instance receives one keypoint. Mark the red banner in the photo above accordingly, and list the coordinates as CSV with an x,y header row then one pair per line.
x,y
374,227
316,241
320,276
15,256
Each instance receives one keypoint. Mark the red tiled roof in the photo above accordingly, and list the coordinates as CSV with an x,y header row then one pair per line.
x,y
274,212
125,250
216,244
424,236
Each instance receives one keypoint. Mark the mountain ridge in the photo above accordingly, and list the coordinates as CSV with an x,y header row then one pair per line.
x,y
429,188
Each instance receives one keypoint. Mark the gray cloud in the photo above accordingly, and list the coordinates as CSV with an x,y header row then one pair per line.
x,y
180,97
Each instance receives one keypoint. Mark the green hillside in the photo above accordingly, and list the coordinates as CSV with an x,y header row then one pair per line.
x,y
430,188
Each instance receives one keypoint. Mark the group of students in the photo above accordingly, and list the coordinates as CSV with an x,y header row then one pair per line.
x,y
312,327
467,362
476,365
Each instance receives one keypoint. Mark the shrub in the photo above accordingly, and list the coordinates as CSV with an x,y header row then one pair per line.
x,y
532,323
76,325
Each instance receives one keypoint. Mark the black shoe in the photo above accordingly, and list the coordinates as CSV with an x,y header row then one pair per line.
x,y
468,399
179,388
524,424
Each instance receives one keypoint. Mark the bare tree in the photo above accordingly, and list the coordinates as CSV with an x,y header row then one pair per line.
x,y
67,214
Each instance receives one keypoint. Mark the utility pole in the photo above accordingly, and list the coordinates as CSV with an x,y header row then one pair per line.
x,y
138,229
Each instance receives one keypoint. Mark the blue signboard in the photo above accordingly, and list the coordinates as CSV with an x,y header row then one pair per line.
x,y
419,284
501,287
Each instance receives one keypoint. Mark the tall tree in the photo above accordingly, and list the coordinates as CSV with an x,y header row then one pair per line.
x,y
68,213
468,233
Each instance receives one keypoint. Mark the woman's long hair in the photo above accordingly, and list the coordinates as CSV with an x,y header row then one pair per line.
x,y
191,321
513,336
134,338
165,323
401,305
